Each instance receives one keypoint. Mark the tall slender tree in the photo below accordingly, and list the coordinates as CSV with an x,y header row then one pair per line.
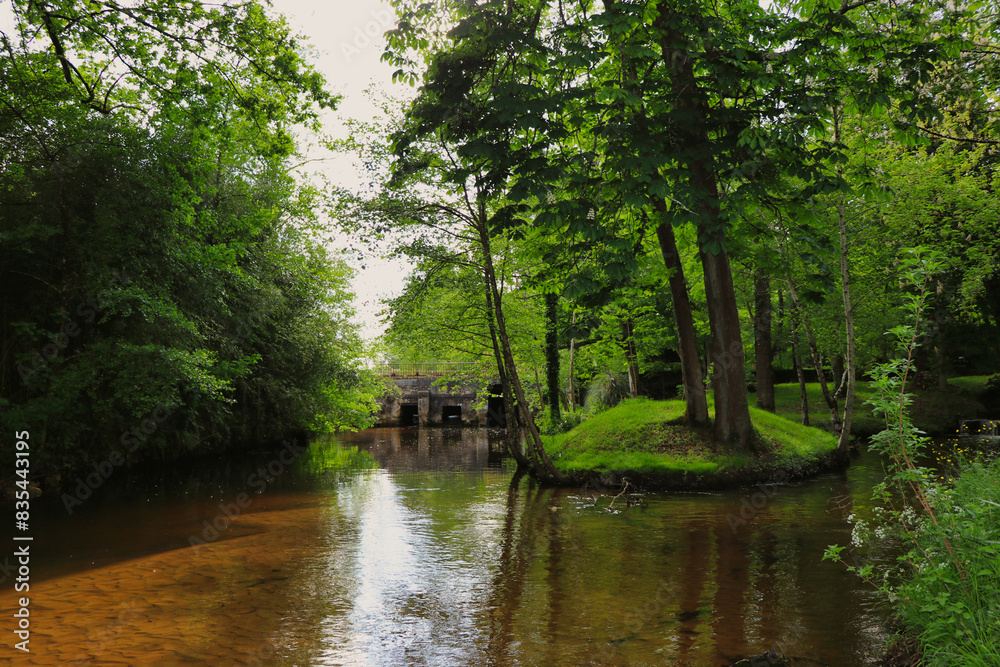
x,y
587,110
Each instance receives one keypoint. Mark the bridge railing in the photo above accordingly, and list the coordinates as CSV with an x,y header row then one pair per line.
x,y
427,369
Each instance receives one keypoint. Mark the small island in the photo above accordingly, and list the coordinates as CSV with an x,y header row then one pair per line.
x,y
647,443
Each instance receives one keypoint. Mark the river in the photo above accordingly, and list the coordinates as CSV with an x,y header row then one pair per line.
x,y
412,547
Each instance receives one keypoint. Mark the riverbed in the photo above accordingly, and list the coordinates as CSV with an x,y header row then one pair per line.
x,y
412,547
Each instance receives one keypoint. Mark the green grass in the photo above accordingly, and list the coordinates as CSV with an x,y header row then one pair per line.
x,y
788,404
638,435
936,410
793,440
974,384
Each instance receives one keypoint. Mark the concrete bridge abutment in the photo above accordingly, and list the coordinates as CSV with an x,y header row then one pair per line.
x,y
421,402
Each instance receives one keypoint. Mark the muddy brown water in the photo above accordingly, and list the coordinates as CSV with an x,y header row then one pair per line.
x,y
427,555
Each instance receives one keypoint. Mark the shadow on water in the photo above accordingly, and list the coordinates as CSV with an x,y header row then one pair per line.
x,y
422,547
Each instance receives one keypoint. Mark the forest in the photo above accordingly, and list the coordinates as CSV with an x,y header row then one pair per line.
x,y
165,287
708,200
682,194
616,197
720,203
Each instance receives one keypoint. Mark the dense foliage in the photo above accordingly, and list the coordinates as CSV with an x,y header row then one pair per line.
x,y
772,162
945,582
163,289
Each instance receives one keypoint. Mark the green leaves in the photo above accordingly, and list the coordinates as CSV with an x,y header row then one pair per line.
x,y
161,57
833,552
945,594
145,190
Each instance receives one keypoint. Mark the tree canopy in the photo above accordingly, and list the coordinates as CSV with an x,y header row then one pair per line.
x,y
589,127
165,289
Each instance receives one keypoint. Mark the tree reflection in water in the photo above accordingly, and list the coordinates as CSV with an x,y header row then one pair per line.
x,y
442,557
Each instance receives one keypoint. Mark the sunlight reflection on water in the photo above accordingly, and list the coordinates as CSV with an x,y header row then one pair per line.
x,y
435,560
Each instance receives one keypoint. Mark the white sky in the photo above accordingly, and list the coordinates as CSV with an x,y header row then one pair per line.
x,y
347,36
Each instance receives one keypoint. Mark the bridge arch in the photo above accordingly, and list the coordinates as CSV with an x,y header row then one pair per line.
x,y
422,403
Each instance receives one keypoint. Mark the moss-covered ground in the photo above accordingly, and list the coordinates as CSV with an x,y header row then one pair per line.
x,y
936,410
645,438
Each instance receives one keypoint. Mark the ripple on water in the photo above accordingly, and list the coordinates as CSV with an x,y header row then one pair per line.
x,y
436,561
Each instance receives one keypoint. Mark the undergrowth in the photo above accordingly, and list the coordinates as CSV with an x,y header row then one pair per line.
x,y
946,584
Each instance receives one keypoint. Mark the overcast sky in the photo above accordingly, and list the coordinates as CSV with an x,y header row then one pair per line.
x,y
347,35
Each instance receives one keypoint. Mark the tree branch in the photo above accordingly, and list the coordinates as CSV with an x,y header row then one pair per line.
x,y
949,137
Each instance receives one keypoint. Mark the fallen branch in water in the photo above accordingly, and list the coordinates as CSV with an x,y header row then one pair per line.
x,y
624,489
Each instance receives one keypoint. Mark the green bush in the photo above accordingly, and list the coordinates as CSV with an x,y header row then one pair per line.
x,y
952,602
567,422
945,586
606,391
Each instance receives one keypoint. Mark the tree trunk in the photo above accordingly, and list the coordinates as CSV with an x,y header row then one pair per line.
x,y
845,278
631,357
510,422
763,350
541,391
839,374
732,412
797,364
552,355
831,400
845,282
695,400
571,388
543,465
941,354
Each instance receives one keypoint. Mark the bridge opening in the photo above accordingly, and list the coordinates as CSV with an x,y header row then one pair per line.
x,y
451,414
496,412
409,414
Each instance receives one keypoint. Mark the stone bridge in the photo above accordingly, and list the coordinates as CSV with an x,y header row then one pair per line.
x,y
422,403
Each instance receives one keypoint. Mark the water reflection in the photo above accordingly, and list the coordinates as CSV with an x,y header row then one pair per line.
x,y
426,449
439,557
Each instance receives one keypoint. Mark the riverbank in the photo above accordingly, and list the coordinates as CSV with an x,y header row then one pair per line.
x,y
644,441
948,603
936,410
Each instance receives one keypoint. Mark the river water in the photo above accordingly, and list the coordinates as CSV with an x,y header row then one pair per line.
x,y
412,547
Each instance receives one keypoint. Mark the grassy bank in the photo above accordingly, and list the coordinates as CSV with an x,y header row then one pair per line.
x,y
952,602
936,410
642,437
